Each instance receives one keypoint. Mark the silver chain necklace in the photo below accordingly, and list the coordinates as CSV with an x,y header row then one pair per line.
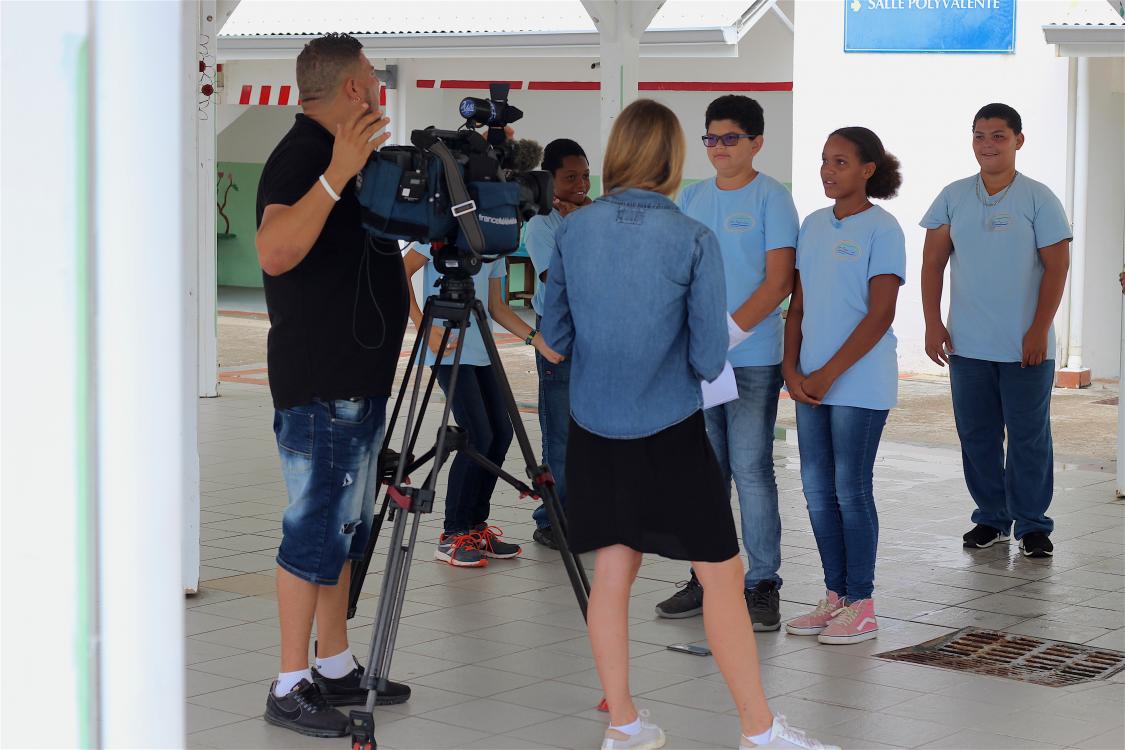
x,y
1000,196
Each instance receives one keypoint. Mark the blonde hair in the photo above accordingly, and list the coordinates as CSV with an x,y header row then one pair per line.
x,y
645,150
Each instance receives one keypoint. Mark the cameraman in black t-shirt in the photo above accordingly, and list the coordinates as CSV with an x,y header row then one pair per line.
x,y
338,306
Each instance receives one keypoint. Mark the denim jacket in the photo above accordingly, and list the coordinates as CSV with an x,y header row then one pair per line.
x,y
636,298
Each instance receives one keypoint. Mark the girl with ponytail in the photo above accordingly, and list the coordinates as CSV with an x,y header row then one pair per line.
x,y
840,367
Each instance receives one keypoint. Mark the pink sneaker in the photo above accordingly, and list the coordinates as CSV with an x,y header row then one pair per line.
x,y
852,624
814,622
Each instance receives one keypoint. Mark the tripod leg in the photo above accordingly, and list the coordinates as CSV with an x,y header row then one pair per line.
x,y
574,570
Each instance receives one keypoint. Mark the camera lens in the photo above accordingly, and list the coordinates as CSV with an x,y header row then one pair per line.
x,y
477,111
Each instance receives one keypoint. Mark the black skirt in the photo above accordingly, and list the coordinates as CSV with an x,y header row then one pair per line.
x,y
663,494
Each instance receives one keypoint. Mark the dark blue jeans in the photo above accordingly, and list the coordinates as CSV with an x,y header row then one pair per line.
x,y
478,407
838,445
989,399
554,423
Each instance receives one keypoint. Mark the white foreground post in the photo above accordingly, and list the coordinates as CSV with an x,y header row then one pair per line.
x,y
140,206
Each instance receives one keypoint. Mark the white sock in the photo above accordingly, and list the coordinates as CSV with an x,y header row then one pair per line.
x,y
335,667
630,728
286,681
763,738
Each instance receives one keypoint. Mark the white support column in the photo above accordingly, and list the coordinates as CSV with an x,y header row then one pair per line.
x,y
1078,245
48,565
204,159
620,27
141,205
200,325
1121,398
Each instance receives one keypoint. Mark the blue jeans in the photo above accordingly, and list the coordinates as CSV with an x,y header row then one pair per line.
x,y
554,423
838,445
990,398
741,433
329,456
478,406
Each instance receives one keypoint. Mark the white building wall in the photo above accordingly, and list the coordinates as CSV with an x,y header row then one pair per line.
x,y
765,54
1106,216
922,106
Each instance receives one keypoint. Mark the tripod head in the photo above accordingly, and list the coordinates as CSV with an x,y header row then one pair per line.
x,y
454,262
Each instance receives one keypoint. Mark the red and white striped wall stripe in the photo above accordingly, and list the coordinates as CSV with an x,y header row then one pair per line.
x,y
268,94
456,83
286,93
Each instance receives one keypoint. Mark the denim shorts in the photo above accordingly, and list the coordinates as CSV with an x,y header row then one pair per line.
x,y
329,455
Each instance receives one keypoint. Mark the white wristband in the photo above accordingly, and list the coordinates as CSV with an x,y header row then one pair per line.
x,y
328,188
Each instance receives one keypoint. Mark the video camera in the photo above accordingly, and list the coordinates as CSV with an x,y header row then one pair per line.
x,y
464,195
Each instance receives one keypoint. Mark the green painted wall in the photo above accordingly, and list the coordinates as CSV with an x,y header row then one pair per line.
x,y
238,259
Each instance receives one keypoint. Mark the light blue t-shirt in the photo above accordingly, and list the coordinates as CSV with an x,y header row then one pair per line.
x,y
539,238
472,348
995,269
749,222
837,260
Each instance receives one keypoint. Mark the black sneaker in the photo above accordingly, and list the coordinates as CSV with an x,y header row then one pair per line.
x,y
349,691
546,537
764,603
1036,544
687,602
984,536
304,710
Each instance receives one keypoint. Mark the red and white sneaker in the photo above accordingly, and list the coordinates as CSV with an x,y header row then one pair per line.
x,y
491,545
852,624
817,620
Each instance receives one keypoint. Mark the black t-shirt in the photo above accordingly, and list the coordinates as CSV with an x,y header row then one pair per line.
x,y
338,317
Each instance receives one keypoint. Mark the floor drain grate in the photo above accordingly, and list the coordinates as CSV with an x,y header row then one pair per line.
x,y
1016,657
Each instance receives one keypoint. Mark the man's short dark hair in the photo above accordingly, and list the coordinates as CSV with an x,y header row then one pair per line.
x,y
322,63
736,108
1002,111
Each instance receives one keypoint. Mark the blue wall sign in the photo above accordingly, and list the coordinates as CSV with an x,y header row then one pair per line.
x,y
930,26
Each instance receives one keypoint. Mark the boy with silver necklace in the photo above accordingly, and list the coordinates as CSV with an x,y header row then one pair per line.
x,y
1006,240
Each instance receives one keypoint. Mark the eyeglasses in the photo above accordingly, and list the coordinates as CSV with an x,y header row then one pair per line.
x,y
728,139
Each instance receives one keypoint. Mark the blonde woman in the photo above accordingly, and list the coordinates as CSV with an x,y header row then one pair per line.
x,y
640,471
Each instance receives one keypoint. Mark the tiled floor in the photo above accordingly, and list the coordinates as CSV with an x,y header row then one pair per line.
x,y
498,657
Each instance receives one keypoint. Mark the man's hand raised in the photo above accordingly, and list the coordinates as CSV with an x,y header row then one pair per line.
x,y
354,145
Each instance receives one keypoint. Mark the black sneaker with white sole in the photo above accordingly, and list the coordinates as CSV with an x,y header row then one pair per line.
x,y
304,709
1036,544
687,602
349,691
546,537
764,603
983,536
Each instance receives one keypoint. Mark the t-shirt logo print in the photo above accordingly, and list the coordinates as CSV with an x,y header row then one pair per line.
x,y
740,222
847,250
1000,222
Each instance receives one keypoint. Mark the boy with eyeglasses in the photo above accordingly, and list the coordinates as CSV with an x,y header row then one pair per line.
x,y
756,222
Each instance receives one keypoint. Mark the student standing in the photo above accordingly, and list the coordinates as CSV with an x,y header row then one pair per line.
x,y
756,223
1006,240
841,368
467,539
566,161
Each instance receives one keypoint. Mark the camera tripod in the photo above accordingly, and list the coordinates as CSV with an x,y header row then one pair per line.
x,y
457,306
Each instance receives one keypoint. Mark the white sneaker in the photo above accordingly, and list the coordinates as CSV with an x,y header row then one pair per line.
x,y
785,737
650,737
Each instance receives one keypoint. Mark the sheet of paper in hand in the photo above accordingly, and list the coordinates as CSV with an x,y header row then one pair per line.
x,y
722,390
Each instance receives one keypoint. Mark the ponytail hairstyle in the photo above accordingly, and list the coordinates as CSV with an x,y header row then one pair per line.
x,y
887,178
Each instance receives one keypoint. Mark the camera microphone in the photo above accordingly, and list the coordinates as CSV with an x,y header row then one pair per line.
x,y
526,155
